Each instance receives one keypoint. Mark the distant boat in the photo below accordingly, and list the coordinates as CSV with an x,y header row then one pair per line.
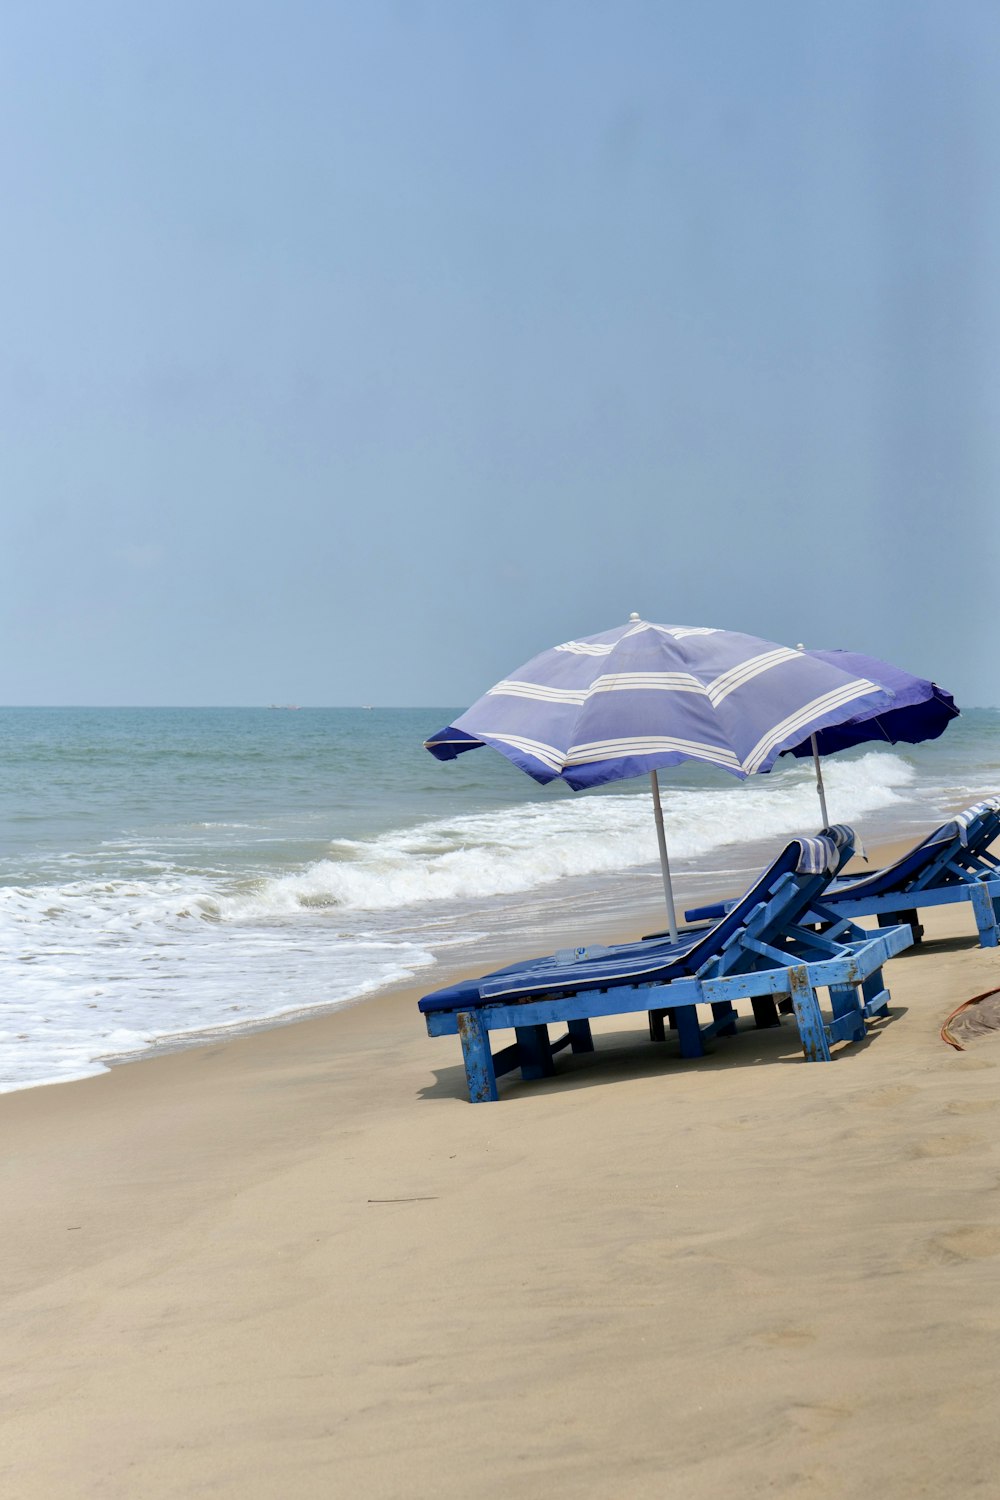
x,y
288,706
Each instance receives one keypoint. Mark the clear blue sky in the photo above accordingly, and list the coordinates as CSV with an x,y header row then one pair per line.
x,y
353,353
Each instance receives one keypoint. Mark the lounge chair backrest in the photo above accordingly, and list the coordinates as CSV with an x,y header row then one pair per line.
x,y
806,866
785,890
980,824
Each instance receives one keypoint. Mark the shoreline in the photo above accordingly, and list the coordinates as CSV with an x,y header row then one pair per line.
x,y
609,929
298,1262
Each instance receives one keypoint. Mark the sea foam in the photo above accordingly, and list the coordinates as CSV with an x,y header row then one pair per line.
x,y
520,849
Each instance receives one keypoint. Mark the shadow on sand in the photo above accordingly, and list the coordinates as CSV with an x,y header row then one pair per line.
x,y
621,1055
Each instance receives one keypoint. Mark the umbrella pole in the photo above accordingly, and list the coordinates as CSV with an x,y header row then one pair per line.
x,y
661,839
819,784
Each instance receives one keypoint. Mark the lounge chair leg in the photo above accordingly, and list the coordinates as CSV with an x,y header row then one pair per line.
x,y
689,1031
479,1072
808,1015
725,1017
896,918
580,1038
845,1006
535,1052
989,937
657,1030
765,1012
873,989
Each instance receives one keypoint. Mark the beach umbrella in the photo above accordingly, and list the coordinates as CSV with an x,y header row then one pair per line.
x,y
919,711
640,697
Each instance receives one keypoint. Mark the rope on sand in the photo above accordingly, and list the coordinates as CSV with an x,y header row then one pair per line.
x,y
946,1035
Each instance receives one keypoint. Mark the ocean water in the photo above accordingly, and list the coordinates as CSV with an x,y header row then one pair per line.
x,y
169,873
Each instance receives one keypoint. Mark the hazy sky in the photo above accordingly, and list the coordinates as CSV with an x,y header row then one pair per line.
x,y
353,353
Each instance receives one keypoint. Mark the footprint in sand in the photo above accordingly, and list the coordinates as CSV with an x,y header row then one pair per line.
x,y
885,1098
972,1242
786,1338
817,1419
946,1145
655,1250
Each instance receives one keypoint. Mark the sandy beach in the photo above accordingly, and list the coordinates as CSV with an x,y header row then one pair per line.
x,y
298,1263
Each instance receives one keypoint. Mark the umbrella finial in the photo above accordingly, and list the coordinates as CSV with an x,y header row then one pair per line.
x,y
633,617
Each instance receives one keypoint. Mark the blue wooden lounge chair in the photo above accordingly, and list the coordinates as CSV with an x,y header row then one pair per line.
x,y
757,950
951,864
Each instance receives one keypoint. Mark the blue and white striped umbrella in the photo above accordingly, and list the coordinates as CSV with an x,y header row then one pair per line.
x,y
629,700
641,696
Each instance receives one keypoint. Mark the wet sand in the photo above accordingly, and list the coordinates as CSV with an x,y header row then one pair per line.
x,y
299,1264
